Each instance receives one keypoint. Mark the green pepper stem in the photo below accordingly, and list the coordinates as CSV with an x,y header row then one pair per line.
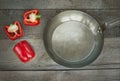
x,y
11,24
38,16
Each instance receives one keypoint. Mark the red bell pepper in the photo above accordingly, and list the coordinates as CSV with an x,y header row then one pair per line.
x,y
31,18
13,31
24,51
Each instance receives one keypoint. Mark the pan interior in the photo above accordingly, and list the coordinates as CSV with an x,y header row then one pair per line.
x,y
72,41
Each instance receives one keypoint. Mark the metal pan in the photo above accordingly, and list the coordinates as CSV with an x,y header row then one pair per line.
x,y
73,39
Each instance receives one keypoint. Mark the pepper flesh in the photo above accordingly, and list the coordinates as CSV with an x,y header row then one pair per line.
x,y
13,31
31,18
24,51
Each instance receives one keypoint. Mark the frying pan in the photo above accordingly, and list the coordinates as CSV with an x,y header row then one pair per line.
x,y
73,39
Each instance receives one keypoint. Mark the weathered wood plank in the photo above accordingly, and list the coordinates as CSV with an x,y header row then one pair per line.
x,y
61,4
82,75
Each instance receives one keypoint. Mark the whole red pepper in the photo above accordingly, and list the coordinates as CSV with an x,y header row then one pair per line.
x,y
13,31
24,51
31,17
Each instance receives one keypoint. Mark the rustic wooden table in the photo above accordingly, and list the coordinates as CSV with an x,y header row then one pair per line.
x,y
42,68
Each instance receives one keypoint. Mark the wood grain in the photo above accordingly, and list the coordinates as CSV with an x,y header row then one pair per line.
x,y
81,75
60,4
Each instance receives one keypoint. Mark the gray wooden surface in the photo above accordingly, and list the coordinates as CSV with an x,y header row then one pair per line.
x,y
105,68
60,4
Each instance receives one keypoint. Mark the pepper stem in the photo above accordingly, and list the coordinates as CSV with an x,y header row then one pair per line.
x,y
11,24
38,16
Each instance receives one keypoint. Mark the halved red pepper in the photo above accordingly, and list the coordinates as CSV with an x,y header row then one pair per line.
x,y
31,17
24,51
13,31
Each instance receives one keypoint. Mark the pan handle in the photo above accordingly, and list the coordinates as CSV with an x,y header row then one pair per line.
x,y
112,24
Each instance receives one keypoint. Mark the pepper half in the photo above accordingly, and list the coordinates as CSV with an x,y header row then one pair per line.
x,y
31,17
24,51
13,31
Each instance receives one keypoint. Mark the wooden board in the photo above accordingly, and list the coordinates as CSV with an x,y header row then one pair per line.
x,y
60,4
105,68
81,75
